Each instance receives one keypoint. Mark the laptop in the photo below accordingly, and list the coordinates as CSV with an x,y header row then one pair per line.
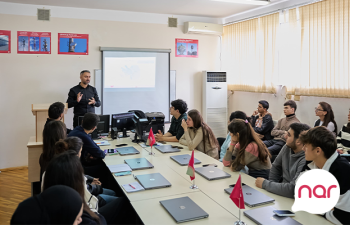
x,y
184,159
153,181
212,173
127,151
265,215
183,209
138,164
252,197
167,149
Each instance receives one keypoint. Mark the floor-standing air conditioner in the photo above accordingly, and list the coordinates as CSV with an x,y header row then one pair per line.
x,y
215,102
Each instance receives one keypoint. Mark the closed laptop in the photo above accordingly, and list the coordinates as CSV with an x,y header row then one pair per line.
x,y
184,159
139,163
212,173
128,151
153,181
252,197
183,209
266,216
167,149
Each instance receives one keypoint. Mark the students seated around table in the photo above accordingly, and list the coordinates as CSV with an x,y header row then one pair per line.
x,y
66,169
262,122
280,130
56,112
93,185
178,110
246,149
288,164
343,139
56,205
320,148
326,117
53,132
226,144
198,135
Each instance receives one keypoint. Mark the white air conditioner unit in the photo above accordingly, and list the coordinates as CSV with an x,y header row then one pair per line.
x,y
203,28
214,102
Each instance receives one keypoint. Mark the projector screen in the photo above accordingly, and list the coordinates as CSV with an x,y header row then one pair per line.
x,y
135,81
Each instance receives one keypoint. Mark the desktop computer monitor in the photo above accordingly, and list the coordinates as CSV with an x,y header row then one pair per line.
x,y
141,125
123,122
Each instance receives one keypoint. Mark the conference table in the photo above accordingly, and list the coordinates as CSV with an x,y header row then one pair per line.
x,y
210,195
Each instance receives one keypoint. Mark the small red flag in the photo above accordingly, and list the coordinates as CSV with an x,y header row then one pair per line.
x,y
190,168
151,138
237,194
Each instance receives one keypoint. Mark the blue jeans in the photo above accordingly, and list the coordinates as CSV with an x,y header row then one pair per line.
x,y
108,195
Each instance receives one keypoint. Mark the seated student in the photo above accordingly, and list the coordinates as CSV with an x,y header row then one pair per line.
x,y
262,122
320,148
198,135
249,150
343,139
53,132
56,112
280,130
94,186
56,205
178,111
91,153
66,169
288,164
325,112
225,145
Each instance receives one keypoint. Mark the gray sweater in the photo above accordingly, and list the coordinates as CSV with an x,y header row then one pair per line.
x,y
286,167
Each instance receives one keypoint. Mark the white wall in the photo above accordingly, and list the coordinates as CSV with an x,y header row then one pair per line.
x,y
28,79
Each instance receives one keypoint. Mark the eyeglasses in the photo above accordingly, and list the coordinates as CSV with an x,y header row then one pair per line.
x,y
317,110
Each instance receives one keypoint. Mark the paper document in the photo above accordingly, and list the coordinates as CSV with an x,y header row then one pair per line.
x,y
102,143
133,187
119,168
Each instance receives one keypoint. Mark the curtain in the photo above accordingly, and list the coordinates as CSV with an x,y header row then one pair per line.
x,y
250,54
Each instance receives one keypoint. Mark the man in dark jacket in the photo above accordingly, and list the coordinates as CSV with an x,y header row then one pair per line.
x,y
262,122
56,112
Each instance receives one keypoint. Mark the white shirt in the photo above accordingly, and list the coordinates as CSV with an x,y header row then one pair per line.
x,y
330,126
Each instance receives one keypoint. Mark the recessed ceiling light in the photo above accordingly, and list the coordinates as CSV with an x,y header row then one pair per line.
x,y
248,2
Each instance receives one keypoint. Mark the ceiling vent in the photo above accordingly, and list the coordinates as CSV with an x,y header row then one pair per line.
x,y
44,14
172,22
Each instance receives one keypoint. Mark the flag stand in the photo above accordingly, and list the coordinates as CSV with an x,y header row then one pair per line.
x,y
194,186
151,153
239,221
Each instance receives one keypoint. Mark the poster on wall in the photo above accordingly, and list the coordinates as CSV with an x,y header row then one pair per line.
x,y
33,42
5,41
73,44
186,48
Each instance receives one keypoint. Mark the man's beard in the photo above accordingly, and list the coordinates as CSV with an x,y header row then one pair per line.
x,y
292,145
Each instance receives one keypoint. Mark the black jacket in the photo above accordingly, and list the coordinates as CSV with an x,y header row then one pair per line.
x,y
266,127
82,107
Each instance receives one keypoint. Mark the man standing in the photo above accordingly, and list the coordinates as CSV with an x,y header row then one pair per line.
x,y
288,164
280,130
83,97
262,122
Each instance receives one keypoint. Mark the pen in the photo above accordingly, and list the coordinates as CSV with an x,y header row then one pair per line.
x,y
132,186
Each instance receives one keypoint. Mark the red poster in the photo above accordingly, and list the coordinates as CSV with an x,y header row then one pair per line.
x,y
186,48
33,42
5,41
73,44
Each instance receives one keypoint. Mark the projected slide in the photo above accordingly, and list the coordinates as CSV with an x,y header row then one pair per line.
x,y
130,72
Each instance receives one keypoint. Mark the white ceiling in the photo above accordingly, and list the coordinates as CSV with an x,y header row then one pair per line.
x,y
206,8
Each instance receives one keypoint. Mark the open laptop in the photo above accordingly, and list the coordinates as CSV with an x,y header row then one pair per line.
x,y
167,149
212,173
252,197
139,163
183,209
265,215
127,151
153,181
184,159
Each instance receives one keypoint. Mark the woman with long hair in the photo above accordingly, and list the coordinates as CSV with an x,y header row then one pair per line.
x,y
248,151
326,117
53,132
198,135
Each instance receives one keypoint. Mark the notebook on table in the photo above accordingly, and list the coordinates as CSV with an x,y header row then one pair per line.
x,y
127,150
266,216
167,149
183,209
139,163
212,173
153,181
184,159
